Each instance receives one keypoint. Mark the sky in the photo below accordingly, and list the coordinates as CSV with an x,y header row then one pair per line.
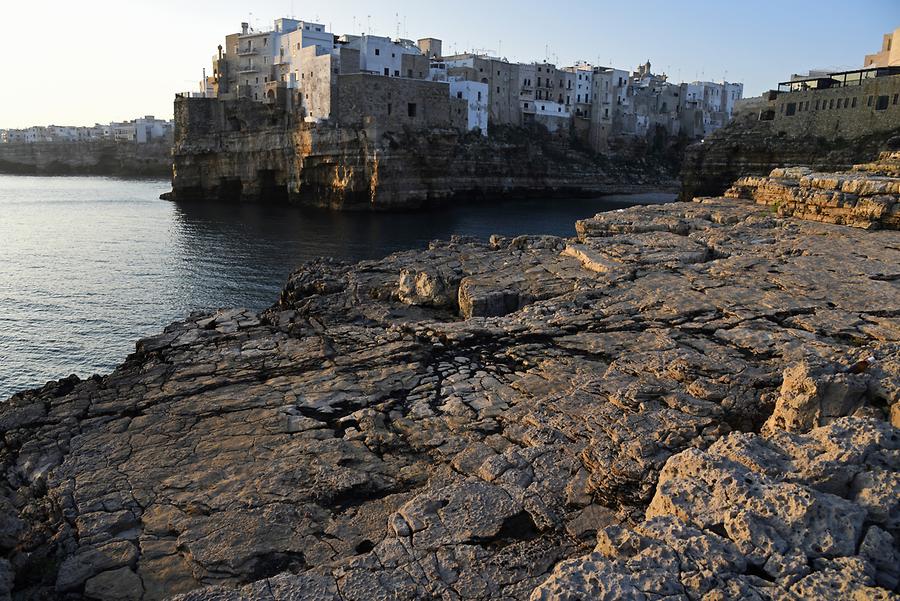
x,y
79,62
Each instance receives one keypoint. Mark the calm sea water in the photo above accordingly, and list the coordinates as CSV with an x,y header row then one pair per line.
x,y
89,265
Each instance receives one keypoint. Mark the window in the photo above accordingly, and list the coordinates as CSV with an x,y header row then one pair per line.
x,y
791,109
377,52
479,96
831,104
882,103
411,109
853,104
298,45
387,72
869,101
389,108
459,94
498,89
265,41
409,73
396,72
526,105
896,99
393,55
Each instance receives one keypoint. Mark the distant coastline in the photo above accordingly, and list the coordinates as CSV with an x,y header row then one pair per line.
x,y
100,157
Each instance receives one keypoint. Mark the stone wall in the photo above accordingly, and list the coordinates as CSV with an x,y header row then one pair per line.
x,y
397,103
839,112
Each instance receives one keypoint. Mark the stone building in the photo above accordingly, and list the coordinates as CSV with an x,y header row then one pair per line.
x,y
890,52
839,104
390,103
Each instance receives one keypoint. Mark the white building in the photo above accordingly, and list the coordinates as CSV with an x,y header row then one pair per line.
x,y
292,37
476,94
382,55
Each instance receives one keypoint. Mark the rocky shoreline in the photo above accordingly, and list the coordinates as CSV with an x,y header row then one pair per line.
x,y
685,401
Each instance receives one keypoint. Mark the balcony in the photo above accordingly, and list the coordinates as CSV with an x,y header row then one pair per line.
x,y
248,69
247,51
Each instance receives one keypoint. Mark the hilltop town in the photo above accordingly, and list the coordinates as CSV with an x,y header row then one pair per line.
x,y
350,79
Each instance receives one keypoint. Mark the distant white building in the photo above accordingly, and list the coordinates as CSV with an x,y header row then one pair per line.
x,y
139,130
708,106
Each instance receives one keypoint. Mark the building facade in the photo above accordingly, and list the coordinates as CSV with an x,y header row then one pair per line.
x,y
311,72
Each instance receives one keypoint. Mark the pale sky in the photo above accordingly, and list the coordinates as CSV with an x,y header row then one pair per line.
x,y
77,62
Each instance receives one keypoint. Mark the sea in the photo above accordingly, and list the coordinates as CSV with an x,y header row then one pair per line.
x,y
89,265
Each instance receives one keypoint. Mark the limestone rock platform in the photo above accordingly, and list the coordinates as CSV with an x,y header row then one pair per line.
x,y
683,401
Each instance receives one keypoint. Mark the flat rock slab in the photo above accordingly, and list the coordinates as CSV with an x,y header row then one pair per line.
x,y
491,421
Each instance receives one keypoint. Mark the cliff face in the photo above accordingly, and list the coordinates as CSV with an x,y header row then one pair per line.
x,y
248,151
686,401
748,147
123,159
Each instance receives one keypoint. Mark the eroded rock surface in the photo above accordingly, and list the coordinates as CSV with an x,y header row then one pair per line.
x,y
866,197
788,517
471,420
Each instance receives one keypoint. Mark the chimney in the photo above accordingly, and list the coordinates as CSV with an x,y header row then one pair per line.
x,y
244,28
220,51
